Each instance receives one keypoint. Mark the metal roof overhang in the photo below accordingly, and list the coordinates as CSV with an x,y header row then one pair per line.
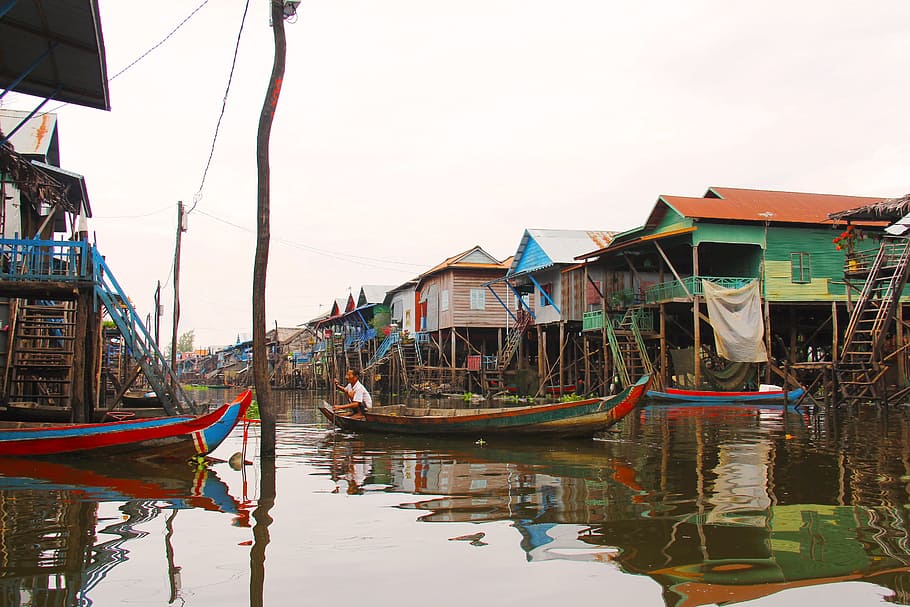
x,y
633,242
76,193
56,48
521,274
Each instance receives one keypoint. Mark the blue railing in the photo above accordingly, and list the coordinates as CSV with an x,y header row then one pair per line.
x,y
158,371
383,349
65,261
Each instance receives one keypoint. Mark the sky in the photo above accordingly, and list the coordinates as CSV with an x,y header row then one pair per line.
x,y
411,130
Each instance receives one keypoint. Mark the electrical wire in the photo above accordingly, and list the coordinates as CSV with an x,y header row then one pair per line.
x,y
367,261
162,41
143,55
198,195
149,214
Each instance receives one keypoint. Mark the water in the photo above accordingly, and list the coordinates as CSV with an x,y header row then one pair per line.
x,y
676,506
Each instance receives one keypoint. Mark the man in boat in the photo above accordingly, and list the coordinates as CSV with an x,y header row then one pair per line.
x,y
359,399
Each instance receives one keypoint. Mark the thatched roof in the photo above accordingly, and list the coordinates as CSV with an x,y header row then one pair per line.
x,y
891,209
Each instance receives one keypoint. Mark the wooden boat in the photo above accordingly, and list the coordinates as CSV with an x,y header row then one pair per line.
x,y
140,399
35,412
174,438
703,397
575,418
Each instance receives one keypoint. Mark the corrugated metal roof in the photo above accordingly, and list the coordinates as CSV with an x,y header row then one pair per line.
x,y
557,246
473,253
737,204
37,137
76,65
73,185
373,294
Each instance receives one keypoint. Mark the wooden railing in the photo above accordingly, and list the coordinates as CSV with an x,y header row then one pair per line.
x,y
691,285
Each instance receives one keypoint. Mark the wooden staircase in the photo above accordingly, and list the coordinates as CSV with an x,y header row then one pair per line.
x,y
409,358
627,344
863,362
42,358
522,319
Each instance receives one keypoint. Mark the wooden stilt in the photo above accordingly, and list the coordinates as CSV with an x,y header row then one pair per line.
x,y
696,321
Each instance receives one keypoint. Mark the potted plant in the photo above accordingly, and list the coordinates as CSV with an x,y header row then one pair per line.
x,y
847,242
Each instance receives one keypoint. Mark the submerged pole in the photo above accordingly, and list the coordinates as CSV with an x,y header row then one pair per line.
x,y
260,264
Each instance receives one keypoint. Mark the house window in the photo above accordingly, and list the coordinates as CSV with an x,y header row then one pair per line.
x,y
548,290
800,268
478,299
444,300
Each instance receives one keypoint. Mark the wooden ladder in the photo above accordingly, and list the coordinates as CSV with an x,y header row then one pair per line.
x,y
409,357
522,320
42,356
630,355
862,363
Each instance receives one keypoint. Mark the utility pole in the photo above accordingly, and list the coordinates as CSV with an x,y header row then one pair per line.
x,y
158,315
181,228
280,10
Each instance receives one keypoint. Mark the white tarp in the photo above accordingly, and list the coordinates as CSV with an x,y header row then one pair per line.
x,y
736,317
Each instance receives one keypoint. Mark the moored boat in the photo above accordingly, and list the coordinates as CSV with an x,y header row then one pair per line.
x,y
172,438
765,397
574,418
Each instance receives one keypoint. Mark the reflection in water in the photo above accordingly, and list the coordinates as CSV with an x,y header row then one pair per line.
x,y
49,518
716,504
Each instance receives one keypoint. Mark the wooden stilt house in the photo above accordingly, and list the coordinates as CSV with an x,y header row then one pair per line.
x,y
872,364
550,294
458,324
732,238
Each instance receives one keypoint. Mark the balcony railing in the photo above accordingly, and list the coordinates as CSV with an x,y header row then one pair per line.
x,y
44,260
674,289
593,321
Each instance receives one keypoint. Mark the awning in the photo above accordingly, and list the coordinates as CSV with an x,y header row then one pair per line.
x,y
60,41
612,248
74,185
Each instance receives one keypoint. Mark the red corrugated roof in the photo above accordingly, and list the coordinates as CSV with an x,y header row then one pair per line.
x,y
748,205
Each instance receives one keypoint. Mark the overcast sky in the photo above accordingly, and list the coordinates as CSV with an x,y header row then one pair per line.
x,y
411,130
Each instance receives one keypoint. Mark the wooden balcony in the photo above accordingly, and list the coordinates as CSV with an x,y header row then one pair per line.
x,y
675,290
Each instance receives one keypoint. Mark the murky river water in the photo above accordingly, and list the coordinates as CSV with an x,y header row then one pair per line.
x,y
677,507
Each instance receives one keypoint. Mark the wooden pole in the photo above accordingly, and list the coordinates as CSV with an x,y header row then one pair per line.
x,y
696,312
664,367
263,237
176,317
562,355
78,370
541,353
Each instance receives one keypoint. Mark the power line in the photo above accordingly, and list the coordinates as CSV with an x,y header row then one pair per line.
x,y
145,54
334,254
162,41
149,214
198,195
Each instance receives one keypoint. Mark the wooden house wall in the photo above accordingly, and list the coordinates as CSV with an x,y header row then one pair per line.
x,y
825,262
545,314
404,303
493,315
446,284
12,221
578,295
729,233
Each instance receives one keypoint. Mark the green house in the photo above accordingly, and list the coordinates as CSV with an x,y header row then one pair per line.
x,y
731,237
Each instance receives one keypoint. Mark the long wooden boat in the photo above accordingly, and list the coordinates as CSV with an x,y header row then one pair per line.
x,y
171,438
702,397
576,418
35,412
